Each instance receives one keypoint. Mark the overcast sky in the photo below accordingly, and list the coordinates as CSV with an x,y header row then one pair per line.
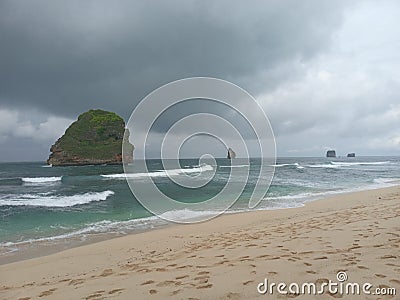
x,y
327,73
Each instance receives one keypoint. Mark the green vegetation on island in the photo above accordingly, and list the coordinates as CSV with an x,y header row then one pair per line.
x,y
95,138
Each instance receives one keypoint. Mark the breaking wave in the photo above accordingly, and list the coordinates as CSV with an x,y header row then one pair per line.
x,y
39,180
161,173
45,200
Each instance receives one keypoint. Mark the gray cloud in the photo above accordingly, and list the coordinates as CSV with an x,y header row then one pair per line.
x,y
316,67
67,56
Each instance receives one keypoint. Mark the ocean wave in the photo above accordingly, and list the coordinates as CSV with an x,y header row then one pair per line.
x,y
39,180
297,165
386,180
186,214
46,200
161,173
295,196
234,166
309,196
340,163
105,226
328,166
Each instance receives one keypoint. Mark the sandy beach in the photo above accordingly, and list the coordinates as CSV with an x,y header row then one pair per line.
x,y
228,257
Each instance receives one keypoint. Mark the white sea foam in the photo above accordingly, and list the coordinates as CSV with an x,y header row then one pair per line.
x,y
105,226
385,181
297,165
186,214
286,201
161,173
342,163
40,180
235,166
328,166
284,165
118,227
44,199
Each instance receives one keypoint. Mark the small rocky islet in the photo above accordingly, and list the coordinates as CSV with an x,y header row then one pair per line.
x,y
95,138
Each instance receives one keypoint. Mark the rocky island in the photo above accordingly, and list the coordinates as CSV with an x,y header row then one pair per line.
x,y
95,138
231,154
331,153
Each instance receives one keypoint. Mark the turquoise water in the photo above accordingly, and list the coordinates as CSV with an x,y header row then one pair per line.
x,y
40,203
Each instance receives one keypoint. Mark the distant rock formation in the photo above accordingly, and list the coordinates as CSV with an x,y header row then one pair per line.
x,y
231,154
331,153
95,138
351,155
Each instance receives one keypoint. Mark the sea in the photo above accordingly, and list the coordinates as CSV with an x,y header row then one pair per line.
x,y
68,206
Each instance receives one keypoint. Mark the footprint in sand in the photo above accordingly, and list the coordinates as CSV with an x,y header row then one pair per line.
x,y
380,275
147,282
232,296
202,280
289,295
107,272
95,295
320,281
184,266
172,265
391,265
144,270
202,267
388,256
247,282
115,291
396,281
173,293
166,283
203,273
321,257
204,286
153,292
161,269
47,293
273,273
76,281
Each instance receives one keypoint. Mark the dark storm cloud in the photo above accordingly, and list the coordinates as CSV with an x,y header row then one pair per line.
x,y
64,57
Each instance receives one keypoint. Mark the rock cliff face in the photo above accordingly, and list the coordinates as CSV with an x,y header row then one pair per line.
x,y
331,153
95,138
231,154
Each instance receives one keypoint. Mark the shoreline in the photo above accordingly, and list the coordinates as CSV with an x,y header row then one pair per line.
x,y
353,232
48,246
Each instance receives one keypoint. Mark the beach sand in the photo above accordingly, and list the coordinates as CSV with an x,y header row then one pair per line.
x,y
227,257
